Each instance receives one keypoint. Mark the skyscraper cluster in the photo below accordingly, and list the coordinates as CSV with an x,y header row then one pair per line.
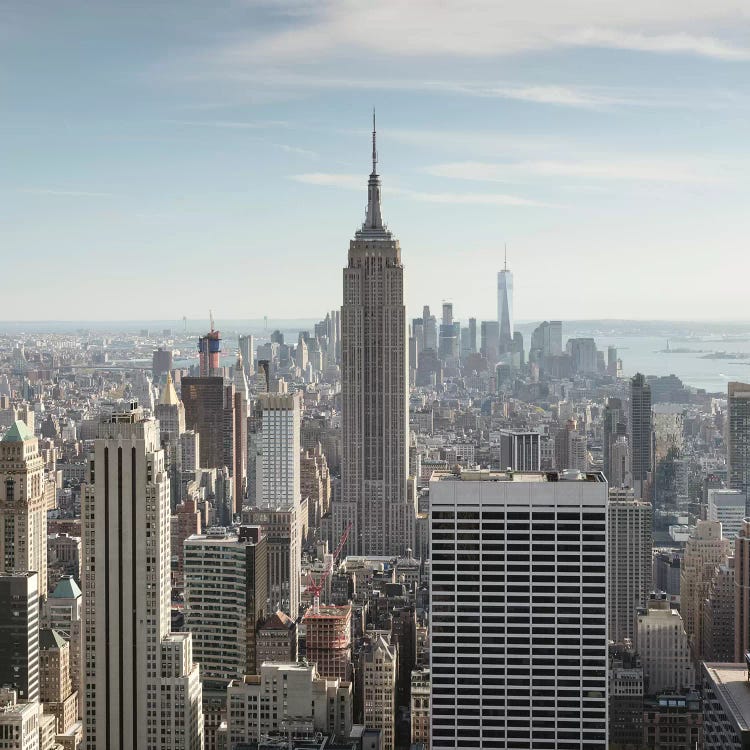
x,y
379,532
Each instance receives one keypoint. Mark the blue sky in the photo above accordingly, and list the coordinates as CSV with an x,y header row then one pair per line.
x,y
161,158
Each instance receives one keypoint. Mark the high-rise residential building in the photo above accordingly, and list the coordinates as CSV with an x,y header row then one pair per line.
x,y
727,506
379,665
630,527
57,692
738,438
505,307
141,686
429,330
211,409
246,345
419,712
225,600
375,493
171,415
641,436
204,401
742,592
510,552
489,341
662,644
615,426
23,511
278,507
717,631
328,640
315,484
209,353
277,640
63,612
705,548
161,363
241,398
277,473
19,633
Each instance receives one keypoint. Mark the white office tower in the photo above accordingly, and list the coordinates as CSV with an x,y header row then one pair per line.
x,y
727,506
519,625
23,512
630,528
279,510
505,307
141,687
375,496
663,646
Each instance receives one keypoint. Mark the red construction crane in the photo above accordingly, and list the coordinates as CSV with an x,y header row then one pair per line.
x,y
316,586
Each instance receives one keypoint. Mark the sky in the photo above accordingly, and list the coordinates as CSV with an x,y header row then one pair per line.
x,y
161,158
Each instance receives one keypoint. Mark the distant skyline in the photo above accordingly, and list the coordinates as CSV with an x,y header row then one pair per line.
x,y
163,159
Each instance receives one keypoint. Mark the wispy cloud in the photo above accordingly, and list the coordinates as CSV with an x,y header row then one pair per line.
x,y
64,193
688,170
355,182
298,151
487,28
233,124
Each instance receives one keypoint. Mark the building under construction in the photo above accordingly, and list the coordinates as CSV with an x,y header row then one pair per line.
x,y
328,640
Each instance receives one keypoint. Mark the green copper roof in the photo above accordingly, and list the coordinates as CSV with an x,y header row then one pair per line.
x,y
18,433
66,588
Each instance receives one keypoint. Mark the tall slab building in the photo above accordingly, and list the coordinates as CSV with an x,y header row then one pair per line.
x,y
518,588
141,686
23,513
375,496
738,438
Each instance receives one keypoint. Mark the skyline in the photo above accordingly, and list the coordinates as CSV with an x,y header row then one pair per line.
x,y
159,142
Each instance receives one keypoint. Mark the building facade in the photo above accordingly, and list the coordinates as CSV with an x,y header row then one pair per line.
x,y
375,496
141,687
23,511
630,527
509,550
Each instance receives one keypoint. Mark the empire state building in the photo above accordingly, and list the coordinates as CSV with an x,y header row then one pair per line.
x,y
375,494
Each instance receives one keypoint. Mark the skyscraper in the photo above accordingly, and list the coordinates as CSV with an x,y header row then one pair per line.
x,y
705,549
246,345
19,633
505,307
277,494
171,415
641,435
141,687
629,570
23,513
518,591
225,599
374,388
615,426
738,438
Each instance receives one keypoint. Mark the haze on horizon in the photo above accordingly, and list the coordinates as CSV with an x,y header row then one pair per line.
x,y
164,159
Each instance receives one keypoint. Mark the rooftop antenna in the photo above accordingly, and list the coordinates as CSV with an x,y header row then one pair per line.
x,y
506,256
374,149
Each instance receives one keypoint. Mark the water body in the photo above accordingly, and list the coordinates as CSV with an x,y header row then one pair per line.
x,y
640,344
642,347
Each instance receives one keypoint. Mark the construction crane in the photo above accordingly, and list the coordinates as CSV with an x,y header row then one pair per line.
x,y
316,586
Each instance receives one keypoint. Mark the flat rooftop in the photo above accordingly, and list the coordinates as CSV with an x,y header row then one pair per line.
x,y
489,475
732,689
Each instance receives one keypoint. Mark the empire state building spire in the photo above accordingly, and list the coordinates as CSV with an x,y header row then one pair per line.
x,y
373,219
